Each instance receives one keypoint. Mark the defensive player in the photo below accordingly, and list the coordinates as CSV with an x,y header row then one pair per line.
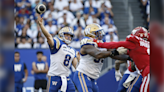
x,y
91,60
131,79
139,51
60,59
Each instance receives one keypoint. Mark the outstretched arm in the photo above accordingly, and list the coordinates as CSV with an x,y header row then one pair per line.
x,y
44,31
112,45
93,51
121,57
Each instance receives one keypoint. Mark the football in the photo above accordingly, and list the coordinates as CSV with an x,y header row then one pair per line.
x,y
41,8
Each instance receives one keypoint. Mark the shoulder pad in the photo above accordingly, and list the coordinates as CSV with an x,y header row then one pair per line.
x,y
57,41
87,41
132,38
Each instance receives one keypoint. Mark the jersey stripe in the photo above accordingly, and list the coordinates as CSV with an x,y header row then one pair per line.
x,y
130,88
84,82
81,82
57,43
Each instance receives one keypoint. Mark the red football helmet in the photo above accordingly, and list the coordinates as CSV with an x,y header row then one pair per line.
x,y
140,32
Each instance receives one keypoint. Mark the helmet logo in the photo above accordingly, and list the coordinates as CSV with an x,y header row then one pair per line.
x,y
87,31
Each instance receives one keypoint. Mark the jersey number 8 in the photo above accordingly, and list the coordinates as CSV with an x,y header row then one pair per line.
x,y
67,59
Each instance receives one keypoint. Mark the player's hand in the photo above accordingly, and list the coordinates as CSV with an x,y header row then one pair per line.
x,y
39,19
118,75
122,50
24,80
114,52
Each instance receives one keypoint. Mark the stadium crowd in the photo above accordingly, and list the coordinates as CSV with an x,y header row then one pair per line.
x,y
74,13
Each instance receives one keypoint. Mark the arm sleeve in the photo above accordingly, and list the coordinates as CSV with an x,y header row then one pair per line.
x,y
112,45
56,46
25,67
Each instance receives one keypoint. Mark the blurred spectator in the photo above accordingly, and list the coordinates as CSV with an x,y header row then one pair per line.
x,y
68,13
148,12
33,30
85,16
111,36
23,12
40,69
88,4
76,6
105,10
52,12
37,37
21,72
78,21
54,21
40,44
64,21
79,33
20,24
23,3
102,22
24,43
52,29
106,25
61,4
34,3
145,6
24,34
144,2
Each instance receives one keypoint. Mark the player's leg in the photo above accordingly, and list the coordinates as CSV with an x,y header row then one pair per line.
x,y
82,83
54,84
145,84
135,86
95,87
70,85
121,88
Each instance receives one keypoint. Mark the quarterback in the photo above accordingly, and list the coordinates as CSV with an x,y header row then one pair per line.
x,y
60,59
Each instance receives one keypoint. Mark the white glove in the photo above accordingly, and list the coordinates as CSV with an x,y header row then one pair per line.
x,y
118,75
122,50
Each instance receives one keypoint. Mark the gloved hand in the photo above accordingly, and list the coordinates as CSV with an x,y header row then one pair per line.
x,y
122,50
114,52
118,75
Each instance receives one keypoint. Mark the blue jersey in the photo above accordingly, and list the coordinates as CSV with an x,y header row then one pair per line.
x,y
40,65
18,71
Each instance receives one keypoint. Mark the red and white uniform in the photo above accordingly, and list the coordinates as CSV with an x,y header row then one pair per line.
x,y
139,51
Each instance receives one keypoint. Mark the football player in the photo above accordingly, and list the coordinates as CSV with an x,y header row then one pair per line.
x,y
131,79
139,51
91,60
60,59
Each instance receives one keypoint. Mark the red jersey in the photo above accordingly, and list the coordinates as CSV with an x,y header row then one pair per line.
x,y
139,50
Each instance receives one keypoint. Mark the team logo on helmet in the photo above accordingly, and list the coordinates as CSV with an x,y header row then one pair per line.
x,y
94,30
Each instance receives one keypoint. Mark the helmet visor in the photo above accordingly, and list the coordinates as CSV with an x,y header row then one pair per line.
x,y
99,34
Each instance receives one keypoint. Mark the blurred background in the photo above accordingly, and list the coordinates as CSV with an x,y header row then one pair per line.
x,y
117,18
